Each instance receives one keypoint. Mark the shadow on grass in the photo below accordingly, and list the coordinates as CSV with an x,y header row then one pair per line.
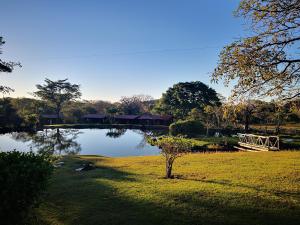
x,y
252,187
91,198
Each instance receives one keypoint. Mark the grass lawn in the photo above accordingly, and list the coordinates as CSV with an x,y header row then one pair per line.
x,y
219,188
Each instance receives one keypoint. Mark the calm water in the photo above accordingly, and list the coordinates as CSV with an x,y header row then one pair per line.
x,y
106,142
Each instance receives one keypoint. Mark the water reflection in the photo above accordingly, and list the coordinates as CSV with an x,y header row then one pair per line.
x,y
51,141
115,132
115,142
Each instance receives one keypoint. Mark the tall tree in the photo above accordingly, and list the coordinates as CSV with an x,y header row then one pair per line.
x,y
6,67
244,112
180,99
57,93
267,63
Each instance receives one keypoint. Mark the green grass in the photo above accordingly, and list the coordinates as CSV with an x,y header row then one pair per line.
x,y
220,188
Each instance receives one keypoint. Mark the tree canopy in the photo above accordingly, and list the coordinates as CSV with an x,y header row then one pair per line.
x,y
57,93
180,99
6,67
135,104
267,63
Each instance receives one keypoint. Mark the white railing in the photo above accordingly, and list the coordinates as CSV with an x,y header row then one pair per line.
x,y
259,142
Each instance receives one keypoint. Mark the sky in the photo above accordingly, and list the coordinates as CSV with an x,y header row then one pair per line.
x,y
116,48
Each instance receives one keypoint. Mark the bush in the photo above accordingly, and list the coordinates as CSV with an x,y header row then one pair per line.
x,y
31,120
196,145
23,178
190,128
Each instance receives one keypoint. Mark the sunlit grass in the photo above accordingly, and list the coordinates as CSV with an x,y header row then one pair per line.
x,y
219,188
283,126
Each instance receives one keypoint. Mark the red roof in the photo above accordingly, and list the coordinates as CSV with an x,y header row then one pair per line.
x,y
94,116
51,116
127,117
154,117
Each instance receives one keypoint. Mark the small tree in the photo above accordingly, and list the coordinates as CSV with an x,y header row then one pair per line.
x,y
280,114
172,148
208,117
57,93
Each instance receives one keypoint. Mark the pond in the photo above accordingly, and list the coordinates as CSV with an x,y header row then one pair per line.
x,y
107,142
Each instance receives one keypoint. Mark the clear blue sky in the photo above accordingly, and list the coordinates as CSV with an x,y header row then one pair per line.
x,y
115,48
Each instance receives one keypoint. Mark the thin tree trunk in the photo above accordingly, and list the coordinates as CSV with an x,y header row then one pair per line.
x,y
207,129
247,122
58,113
169,165
277,130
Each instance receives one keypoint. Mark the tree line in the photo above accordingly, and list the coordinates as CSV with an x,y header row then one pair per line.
x,y
192,101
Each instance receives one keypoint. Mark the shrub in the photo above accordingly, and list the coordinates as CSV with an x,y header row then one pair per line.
x,y
190,128
23,178
31,120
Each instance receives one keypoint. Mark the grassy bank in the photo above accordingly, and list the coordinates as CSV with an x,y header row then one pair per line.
x,y
221,188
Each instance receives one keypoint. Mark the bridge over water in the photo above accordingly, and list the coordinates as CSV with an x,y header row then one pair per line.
x,y
252,142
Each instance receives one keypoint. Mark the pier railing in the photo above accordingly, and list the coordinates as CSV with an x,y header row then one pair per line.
x,y
258,142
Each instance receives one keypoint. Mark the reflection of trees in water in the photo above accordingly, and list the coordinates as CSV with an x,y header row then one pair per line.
x,y
146,133
51,141
115,132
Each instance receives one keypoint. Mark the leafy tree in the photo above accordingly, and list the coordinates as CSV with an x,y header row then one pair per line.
x,y
212,117
9,116
280,115
31,120
235,114
229,115
263,113
208,118
294,107
244,111
189,128
112,110
180,99
172,148
73,111
6,67
30,110
195,114
266,63
57,93
135,104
